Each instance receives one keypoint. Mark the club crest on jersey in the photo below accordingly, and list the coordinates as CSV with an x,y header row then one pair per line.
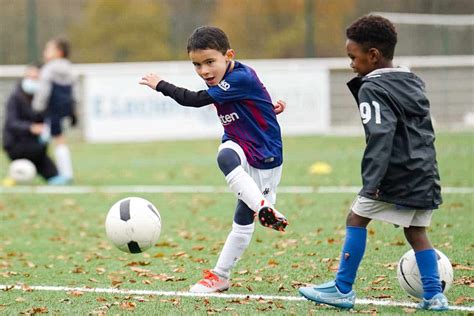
x,y
224,85
228,118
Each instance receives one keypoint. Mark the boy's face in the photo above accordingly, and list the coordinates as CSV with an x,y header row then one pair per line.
x,y
211,64
51,51
362,62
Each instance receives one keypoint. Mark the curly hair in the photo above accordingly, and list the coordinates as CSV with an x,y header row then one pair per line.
x,y
373,31
208,37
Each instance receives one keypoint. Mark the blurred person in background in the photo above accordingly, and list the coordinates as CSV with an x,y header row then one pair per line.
x,y
23,127
55,99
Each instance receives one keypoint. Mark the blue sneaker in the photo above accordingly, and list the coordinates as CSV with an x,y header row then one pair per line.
x,y
439,302
59,180
329,294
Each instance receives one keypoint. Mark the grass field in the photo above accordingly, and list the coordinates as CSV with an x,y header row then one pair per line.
x,y
59,239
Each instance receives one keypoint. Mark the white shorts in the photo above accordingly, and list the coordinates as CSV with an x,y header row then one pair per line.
x,y
390,213
266,179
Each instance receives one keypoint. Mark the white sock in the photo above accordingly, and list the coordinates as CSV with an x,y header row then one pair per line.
x,y
235,245
63,160
242,184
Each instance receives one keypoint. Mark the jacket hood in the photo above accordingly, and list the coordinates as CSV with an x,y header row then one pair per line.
x,y
408,88
59,71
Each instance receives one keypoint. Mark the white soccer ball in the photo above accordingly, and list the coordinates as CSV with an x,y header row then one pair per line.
x,y
409,275
22,171
133,224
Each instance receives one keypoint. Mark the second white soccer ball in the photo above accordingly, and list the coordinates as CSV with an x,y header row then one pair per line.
x,y
22,171
409,275
133,224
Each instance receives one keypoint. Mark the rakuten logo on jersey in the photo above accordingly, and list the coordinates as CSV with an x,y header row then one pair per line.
x,y
228,118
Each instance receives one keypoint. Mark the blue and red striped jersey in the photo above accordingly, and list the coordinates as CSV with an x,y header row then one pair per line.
x,y
246,112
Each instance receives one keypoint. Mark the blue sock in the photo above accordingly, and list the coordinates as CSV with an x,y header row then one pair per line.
x,y
352,253
427,261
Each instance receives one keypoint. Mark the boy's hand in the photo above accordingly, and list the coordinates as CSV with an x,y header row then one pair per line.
x,y
150,80
36,128
279,107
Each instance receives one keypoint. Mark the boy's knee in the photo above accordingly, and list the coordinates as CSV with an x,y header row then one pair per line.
x,y
228,160
356,220
243,214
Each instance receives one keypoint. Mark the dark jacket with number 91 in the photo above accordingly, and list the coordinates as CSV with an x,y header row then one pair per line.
x,y
399,164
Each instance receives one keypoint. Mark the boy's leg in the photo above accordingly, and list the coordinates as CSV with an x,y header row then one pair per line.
x,y
339,292
244,186
237,241
352,251
63,156
427,261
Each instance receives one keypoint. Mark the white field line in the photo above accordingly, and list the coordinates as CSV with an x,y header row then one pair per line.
x,y
361,301
190,189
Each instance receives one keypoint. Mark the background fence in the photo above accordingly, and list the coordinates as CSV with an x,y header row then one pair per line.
x,y
113,107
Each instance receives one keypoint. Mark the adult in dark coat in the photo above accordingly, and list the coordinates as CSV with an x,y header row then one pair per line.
x,y
23,127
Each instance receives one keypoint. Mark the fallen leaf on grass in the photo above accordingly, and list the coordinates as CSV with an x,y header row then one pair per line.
x,y
100,270
397,243
298,284
239,301
139,270
75,293
391,265
180,254
465,280
26,288
463,299
174,301
380,288
409,310
282,288
457,266
128,306
138,263
273,262
379,279
382,296
35,310
179,270
8,288
79,270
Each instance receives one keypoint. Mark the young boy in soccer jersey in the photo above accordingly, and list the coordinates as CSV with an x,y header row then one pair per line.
x,y
399,169
55,98
250,155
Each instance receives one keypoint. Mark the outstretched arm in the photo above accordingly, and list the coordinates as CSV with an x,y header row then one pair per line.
x,y
183,96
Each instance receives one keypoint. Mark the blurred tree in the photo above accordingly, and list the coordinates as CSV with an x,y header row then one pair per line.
x,y
122,30
276,29
262,29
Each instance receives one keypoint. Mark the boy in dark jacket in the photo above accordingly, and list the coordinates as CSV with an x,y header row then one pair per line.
x,y
399,170
22,129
